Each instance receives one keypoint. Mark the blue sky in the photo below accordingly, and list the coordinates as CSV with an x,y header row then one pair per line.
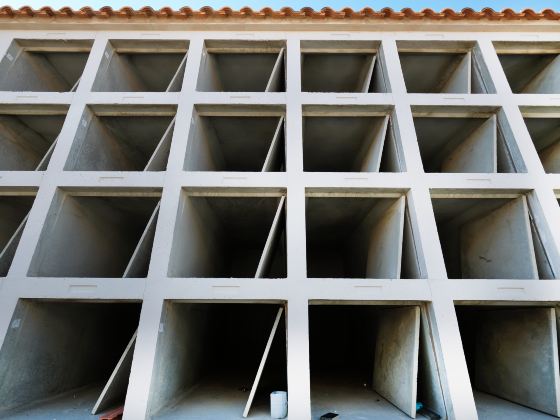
x,y
297,4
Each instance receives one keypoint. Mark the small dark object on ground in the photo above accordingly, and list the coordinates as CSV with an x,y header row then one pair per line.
x,y
329,416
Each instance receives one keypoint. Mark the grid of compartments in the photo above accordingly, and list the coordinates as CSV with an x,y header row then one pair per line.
x,y
183,179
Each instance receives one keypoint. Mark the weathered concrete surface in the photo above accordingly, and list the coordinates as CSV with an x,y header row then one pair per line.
x,y
337,72
25,139
523,70
249,66
229,142
139,262
118,142
476,153
349,398
53,348
396,357
43,65
221,236
430,391
369,160
215,398
449,72
343,143
384,253
114,391
547,81
493,408
517,357
449,143
499,245
72,405
460,80
127,65
179,355
109,229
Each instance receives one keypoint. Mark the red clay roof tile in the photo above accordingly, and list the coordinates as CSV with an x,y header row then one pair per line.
x,y
184,13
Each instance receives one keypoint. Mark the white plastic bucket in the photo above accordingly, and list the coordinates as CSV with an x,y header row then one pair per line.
x,y
278,404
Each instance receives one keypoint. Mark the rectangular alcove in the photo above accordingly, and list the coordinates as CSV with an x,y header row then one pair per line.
x,y
361,235
242,66
140,65
530,67
350,139
544,129
236,138
122,138
14,212
466,141
97,234
28,135
444,67
209,360
44,65
492,236
381,362
66,359
343,66
512,359
229,234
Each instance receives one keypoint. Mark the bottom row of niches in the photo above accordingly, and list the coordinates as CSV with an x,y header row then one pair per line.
x,y
512,360
72,360
69,360
215,360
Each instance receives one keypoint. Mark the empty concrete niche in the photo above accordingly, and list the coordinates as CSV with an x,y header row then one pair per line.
x,y
343,66
28,136
480,142
444,67
91,234
208,357
128,66
242,66
491,237
349,139
383,364
360,236
122,138
14,212
238,138
512,358
531,67
59,359
545,133
44,65
229,235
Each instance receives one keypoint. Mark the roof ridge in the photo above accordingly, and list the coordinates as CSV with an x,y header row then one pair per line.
x,y
283,13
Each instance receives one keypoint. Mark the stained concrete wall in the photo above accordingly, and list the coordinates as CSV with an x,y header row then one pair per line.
x,y
62,351
180,353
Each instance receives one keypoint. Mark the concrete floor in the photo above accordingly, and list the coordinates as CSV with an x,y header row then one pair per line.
x,y
350,400
72,405
216,399
494,408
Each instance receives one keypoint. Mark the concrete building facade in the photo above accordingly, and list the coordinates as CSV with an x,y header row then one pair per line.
x,y
201,207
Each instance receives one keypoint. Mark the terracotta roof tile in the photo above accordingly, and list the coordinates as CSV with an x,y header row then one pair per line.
x,y
183,13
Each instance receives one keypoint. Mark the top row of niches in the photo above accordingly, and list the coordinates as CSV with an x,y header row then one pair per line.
x,y
139,65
